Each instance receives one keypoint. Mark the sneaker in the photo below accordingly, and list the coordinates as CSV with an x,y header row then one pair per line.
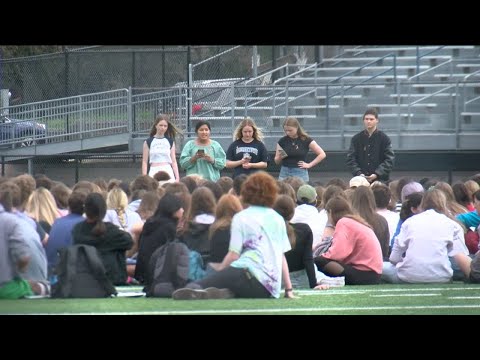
x,y
216,293
189,294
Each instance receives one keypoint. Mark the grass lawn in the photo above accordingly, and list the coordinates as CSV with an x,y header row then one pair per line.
x,y
445,299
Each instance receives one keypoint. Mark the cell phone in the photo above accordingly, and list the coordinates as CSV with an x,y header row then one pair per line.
x,y
201,152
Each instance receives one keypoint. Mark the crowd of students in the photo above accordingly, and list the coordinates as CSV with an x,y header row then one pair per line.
x,y
253,234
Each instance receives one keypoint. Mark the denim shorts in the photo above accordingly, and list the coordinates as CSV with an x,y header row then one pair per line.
x,y
298,172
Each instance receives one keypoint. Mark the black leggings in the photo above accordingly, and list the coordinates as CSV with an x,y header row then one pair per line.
x,y
352,276
240,281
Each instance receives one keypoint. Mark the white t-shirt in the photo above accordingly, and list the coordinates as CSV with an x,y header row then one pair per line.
x,y
160,151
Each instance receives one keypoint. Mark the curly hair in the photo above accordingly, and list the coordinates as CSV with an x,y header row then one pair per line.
x,y
260,189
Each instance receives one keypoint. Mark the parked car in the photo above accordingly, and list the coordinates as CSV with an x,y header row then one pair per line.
x,y
21,132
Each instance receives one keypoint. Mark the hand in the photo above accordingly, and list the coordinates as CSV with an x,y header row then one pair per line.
x,y
322,287
208,158
290,295
22,263
247,165
303,165
215,266
371,178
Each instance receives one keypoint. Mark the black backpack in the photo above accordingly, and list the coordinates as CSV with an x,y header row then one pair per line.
x,y
81,274
167,269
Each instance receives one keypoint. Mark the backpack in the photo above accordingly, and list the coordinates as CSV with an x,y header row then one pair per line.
x,y
167,269
149,142
81,274
471,241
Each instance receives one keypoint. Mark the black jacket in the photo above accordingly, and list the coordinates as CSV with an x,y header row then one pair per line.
x,y
371,155
111,247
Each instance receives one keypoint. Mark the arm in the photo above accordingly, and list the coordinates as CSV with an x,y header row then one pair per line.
x,y
286,278
308,259
258,165
278,156
135,231
220,157
18,248
389,156
186,160
146,151
400,245
351,159
314,147
262,162
227,260
173,156
230,164
464,262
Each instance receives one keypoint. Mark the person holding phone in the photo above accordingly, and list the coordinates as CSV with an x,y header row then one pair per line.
x,y
292,150
247,153
203,156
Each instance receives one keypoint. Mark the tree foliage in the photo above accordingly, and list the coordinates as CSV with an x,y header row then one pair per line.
x,y
14,51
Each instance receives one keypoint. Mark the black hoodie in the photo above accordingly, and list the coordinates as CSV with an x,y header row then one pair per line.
x,y
111,246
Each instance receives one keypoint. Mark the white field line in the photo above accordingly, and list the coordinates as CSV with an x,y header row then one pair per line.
x,y
464,297
404,295
338,291
265,311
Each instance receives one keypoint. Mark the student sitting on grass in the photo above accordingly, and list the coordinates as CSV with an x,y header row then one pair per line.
x,y
14,255
255,263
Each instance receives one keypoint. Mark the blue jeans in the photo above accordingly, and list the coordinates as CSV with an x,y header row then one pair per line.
x,y
298,172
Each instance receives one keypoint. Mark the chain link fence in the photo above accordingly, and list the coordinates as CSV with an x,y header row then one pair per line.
x,y
71,168
86,70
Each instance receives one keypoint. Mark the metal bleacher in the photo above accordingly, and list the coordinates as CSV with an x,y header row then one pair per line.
x,y
428,98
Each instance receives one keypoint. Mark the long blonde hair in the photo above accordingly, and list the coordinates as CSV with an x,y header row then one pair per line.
x,y
257,132
41,206
117,200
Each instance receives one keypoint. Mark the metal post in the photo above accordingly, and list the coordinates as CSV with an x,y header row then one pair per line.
x,y
30,166
130,117
255,61
77,162
316,51
163,66
66,85
418,60
189,96
274,64
133,69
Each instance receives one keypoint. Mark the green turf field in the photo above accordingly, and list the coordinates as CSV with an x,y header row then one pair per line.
x,y
435,299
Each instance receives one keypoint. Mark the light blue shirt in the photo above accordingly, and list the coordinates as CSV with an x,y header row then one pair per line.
x,y
259,236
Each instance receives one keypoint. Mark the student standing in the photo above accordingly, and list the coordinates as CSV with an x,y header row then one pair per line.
x,y
159,149
292,150
247,154
371,154
203,156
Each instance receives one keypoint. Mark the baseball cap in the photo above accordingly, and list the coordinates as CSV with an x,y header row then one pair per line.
x,y
410,188
357,181
306,193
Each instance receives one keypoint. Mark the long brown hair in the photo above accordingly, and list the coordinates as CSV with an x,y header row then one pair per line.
x,y
172,130
293,121
285,206
227,207
339,207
